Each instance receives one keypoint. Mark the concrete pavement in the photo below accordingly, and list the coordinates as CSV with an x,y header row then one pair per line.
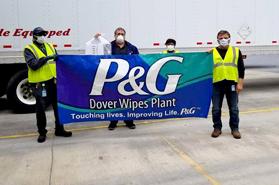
x,y
165,152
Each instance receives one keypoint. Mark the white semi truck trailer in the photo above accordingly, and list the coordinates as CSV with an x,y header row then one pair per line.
x,y
253,24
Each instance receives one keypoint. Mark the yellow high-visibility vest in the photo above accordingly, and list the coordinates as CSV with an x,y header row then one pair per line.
x,y
45,72
166,51
226,69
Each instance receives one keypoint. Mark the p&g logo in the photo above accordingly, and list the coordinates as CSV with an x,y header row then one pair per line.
x,y
134,74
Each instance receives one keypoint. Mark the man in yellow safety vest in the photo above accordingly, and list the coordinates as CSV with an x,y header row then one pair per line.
x,y
228,75
40,58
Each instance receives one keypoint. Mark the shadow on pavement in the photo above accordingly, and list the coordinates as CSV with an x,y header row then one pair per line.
x,y
262,84
260,66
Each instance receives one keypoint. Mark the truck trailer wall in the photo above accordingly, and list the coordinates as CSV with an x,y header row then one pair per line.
x,y
193,23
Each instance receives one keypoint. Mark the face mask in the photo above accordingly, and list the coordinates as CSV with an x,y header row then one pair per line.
x,y
40,39
120,39
170,47
224,42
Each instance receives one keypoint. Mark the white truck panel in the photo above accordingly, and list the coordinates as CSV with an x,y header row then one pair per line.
x,y
155,23
9,19
63,17
51,15
266,21
193,23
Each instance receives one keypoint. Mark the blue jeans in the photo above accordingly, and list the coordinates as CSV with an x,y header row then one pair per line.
x,y
220,89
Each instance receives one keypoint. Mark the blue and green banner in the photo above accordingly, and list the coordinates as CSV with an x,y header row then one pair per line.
x,y
133,87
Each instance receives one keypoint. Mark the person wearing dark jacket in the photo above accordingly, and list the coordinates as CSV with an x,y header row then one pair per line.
x,y
228,77
120,46
40,56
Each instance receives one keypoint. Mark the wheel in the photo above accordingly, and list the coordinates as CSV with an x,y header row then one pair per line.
x,y
19,93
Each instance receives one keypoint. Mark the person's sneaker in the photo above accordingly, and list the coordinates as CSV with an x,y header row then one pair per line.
x,y
236,134
41,138
131,126
112,126
216,132
63,133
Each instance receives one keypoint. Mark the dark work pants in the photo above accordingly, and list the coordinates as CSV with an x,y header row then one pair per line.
x,y
41,103
220,90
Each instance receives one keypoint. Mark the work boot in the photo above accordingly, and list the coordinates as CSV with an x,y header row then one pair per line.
x,y
236,134
41,138
131,125
112,126
63,133
216,132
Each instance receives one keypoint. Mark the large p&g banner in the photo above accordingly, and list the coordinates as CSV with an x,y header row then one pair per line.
x,y
133,87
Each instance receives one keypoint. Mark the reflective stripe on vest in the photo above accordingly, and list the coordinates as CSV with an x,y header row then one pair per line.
x,y
45,72
226,69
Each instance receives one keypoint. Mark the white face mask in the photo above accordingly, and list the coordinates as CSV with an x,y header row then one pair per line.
x,y
120,39
224,42
40,39
170,47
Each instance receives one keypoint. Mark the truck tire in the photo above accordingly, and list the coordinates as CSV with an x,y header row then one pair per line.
x,y
19,93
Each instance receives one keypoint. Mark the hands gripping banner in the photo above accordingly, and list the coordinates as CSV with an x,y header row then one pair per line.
x,y
133,87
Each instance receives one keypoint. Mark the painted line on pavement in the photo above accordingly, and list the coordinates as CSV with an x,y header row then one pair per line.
x,y
141,123
19,135
260,110
199,168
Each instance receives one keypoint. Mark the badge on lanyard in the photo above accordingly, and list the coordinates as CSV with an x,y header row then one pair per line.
x,y
233,87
